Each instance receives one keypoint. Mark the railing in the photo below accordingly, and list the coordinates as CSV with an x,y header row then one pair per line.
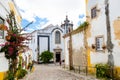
x,y
85,70
92,71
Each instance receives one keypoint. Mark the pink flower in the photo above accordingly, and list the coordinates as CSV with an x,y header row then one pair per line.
x,y
7,43
10,50
14,34
2,44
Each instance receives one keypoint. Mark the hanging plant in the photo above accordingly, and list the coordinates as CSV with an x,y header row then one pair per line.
x,y
104,47
93,46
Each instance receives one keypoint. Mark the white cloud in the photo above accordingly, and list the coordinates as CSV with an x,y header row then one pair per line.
x,y
54,10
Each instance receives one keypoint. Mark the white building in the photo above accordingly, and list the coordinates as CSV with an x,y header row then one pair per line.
x,y
50,38
6,6
96,12
91,48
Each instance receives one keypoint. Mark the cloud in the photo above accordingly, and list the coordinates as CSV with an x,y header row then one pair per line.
x,y
54,11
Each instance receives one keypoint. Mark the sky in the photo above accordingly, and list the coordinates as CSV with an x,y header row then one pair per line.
x,y
46,12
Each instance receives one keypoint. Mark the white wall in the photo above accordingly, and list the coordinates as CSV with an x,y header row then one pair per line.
x,y
43,41
55,46
77,49
78,40
48,31
4,11
3,63
4,8
33,45
66,52
99,28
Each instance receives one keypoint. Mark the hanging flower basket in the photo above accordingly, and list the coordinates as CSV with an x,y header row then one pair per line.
x,y
104,47
3,27
93,46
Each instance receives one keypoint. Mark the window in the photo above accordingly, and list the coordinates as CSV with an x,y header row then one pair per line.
x,y
57,37
93,12
1,31
99,43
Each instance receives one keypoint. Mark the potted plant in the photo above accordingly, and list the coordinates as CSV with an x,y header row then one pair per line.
x,y
104,46
93,46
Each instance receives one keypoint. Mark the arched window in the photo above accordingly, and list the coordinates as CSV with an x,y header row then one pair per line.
x,y
57,37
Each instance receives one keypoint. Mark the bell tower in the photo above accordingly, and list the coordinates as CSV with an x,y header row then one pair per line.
x,y
67,26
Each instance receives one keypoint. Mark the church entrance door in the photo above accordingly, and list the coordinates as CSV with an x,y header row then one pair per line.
x,y
58,56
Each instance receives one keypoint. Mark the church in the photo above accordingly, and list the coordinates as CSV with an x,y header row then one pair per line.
x,y
50,38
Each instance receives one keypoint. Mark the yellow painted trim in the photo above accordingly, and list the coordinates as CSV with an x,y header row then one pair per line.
x,y
117,71
86,2
12,8
2,75
91,69
116,27
88,57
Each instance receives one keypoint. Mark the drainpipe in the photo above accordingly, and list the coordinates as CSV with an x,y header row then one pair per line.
x,y
109,42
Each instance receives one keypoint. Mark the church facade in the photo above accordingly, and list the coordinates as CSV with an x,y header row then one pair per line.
x,y
50,38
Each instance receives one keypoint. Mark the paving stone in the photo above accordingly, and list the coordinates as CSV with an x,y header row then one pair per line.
x,y
51,72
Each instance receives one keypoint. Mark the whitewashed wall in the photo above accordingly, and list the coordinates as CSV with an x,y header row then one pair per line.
x,y
55,46
4,11
66,52
33,45
78,50
47,31
3,63
99,28
4,8
78,40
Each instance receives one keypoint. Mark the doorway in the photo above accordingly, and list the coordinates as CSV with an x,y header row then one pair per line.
x,y
58,56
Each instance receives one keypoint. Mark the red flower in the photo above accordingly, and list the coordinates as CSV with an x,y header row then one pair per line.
x,y
8,21
2,45
14,34
7,43
10,50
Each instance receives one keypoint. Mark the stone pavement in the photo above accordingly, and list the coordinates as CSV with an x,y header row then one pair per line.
x,y
53,72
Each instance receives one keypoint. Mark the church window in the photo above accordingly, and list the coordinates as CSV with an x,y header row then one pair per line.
x,y
57,37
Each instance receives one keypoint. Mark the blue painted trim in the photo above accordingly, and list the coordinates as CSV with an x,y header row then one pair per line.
x,y
57,28
38,43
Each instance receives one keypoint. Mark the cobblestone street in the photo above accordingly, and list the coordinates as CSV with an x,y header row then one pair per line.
x,y
52,72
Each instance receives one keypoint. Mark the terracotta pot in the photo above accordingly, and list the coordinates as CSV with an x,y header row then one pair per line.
x,y
93,46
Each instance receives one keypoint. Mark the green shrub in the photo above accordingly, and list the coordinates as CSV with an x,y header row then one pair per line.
x,y
21,73
9,76
46,56
102,70
20,63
